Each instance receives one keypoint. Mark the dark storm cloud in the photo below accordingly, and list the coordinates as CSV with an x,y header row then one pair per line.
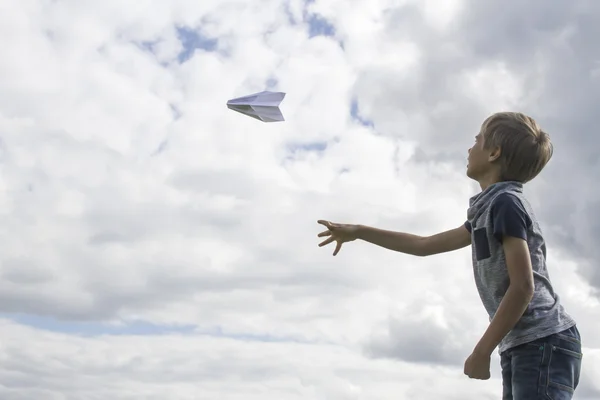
x,y
562,39
553,49
417,341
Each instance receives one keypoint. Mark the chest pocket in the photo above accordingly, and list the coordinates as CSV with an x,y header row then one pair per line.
x,y
482,245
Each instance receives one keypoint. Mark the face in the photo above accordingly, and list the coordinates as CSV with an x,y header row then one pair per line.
x,y
478,160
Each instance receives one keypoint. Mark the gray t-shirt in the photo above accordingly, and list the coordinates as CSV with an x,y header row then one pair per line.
x,y
501,209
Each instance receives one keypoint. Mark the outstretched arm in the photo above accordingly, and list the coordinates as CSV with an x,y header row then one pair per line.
x,y
422,246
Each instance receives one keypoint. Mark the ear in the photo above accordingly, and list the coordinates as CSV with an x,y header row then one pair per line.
x,y
494,154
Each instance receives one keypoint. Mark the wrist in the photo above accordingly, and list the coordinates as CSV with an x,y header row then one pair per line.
x,y
359,231
484,348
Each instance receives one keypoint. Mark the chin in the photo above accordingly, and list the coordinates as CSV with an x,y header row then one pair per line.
x,y
471,175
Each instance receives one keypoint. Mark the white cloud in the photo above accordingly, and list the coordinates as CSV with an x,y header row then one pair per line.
x,y
197,367
128,192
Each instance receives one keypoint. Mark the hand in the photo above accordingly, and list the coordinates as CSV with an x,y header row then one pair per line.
x,y
341,233
477,366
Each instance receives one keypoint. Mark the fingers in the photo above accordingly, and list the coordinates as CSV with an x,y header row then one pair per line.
x,y
326,241
338,247
331,238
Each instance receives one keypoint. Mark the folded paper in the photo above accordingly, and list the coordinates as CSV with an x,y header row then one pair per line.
x,y
263,106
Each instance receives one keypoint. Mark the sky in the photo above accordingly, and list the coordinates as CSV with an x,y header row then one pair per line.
x,y
156,245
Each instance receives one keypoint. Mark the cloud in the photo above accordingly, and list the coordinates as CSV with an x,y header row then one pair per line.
x,y
418,339
490,58
155,244
193,366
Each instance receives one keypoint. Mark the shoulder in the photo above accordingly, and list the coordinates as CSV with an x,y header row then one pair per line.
x,y
508,202
509,216
506,198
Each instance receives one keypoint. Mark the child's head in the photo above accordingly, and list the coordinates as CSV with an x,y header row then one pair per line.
x,y
510,147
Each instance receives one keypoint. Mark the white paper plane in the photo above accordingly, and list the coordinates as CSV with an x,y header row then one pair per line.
x,y
263,106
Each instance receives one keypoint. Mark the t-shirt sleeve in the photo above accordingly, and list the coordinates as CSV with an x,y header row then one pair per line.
x,y
509,218
468,226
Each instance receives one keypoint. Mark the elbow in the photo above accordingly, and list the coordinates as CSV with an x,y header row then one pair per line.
x,y
422,253
422,249
525,290
529,288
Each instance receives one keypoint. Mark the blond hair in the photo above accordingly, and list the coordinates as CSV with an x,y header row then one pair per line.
x,y
525,148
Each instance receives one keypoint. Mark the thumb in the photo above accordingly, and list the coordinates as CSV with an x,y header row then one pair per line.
x,y
328,224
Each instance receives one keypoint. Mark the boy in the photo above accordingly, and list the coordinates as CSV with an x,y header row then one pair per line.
x,y
539,344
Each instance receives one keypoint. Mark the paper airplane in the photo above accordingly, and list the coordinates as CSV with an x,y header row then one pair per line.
x,y
263,106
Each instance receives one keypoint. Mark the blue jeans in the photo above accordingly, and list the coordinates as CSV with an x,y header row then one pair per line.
x,y
547,368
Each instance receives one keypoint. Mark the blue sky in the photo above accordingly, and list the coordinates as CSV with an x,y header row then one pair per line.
x,y
92,328
193,40
137,328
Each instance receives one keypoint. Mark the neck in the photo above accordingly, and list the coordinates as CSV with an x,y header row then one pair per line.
x,y
488,180
486,184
